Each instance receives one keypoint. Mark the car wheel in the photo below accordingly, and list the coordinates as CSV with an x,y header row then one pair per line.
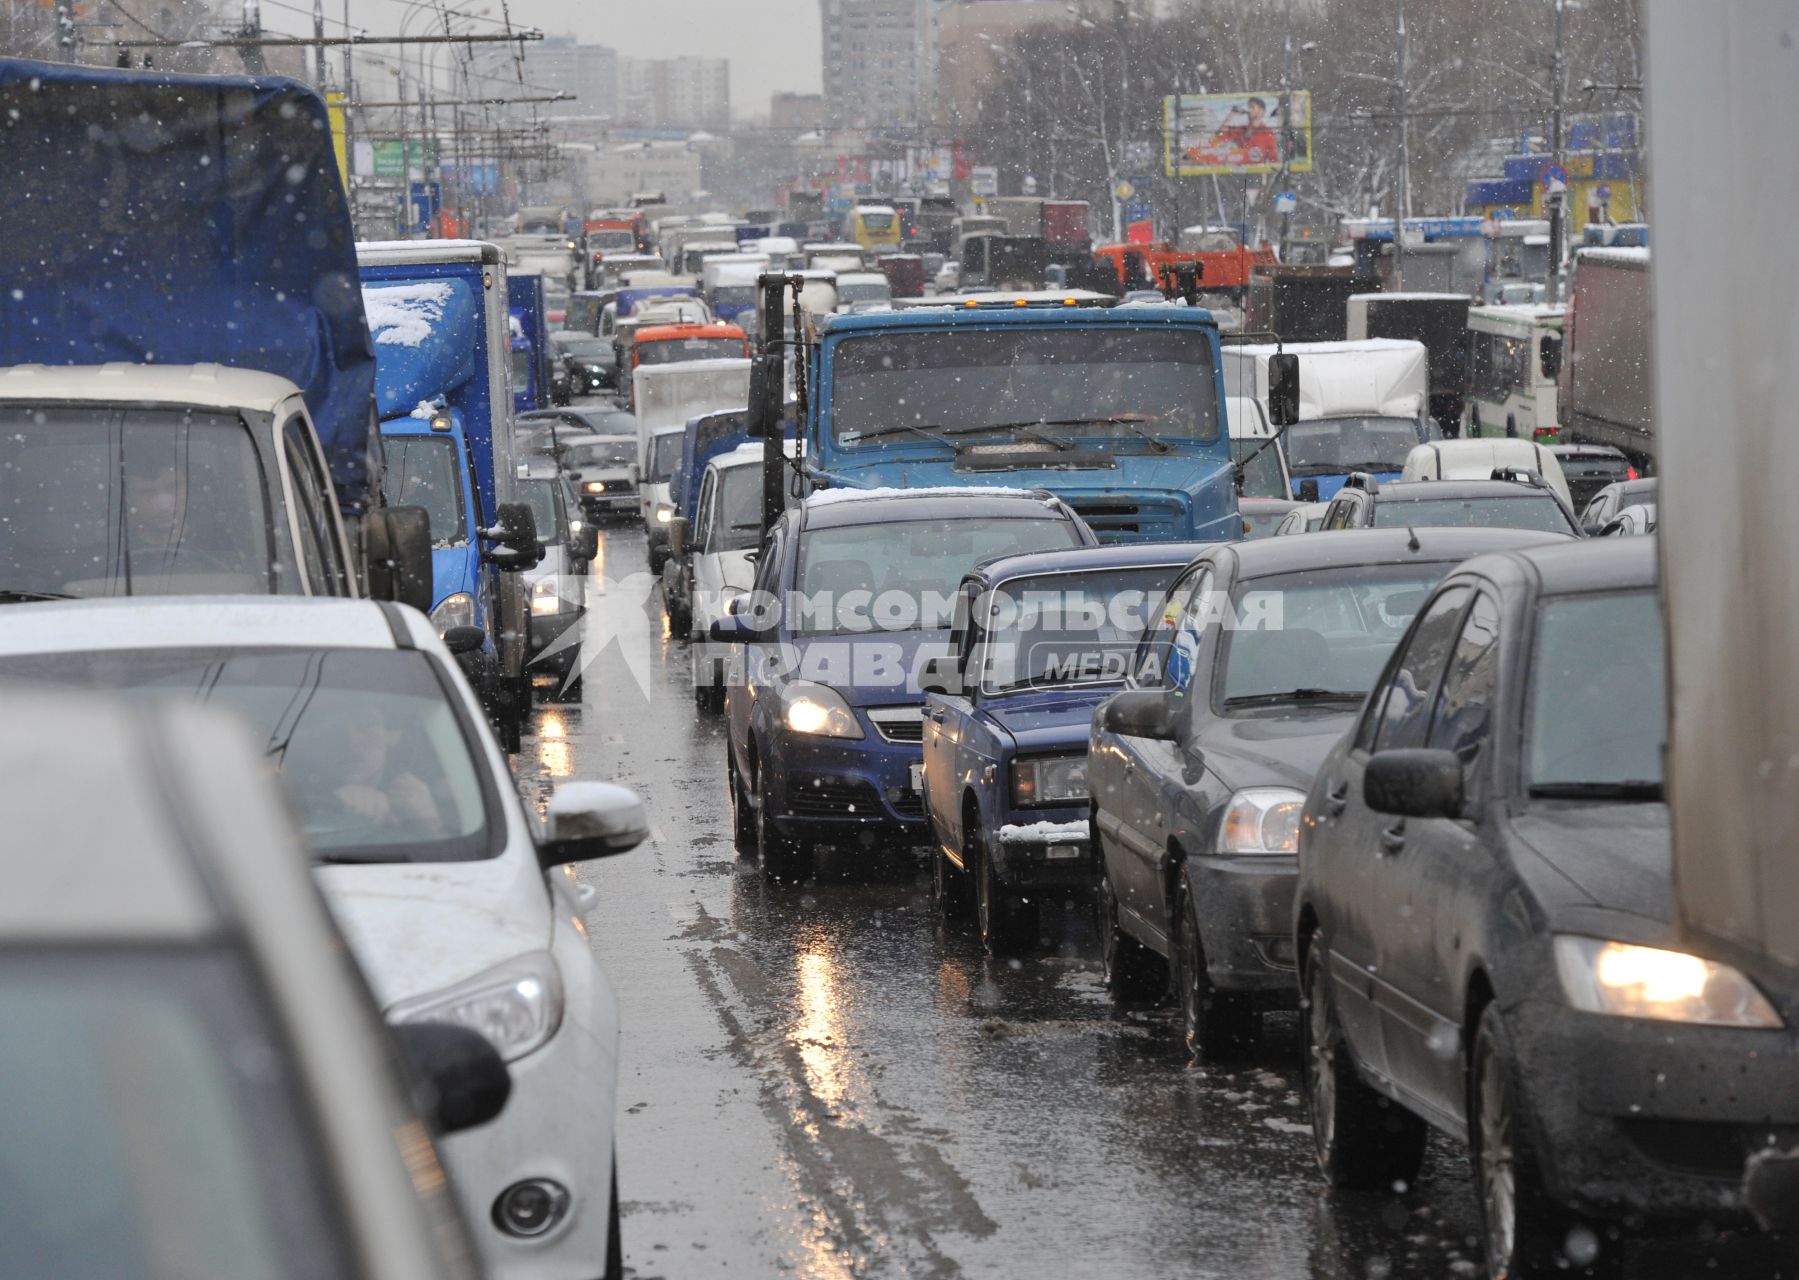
x,y
1008,926
1130,970
708,684
680,618
782,858
1525,1233
743,815
1215,1024
1364,1140
950,890
615,1249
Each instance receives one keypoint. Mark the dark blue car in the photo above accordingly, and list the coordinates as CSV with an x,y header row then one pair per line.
x,y
854,591
1037,642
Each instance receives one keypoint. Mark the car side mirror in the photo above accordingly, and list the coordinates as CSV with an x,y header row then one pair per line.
x,y
1414,782
514,534
941,675
1283,389
588,820
1592,530
460,640
585,542
678,529
1308,491
461,1080
1139,713
734,628
398,547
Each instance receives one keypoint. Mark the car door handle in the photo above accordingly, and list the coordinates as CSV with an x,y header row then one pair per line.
x,y
935,715
1392,839
1336,798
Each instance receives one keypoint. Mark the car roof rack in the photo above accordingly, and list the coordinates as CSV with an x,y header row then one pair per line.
x,y
1520,475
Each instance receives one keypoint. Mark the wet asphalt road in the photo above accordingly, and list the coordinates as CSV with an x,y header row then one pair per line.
x,y
825,1081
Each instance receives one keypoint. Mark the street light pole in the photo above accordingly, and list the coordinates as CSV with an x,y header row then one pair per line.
x,y
1286,124
1558,200
1402,181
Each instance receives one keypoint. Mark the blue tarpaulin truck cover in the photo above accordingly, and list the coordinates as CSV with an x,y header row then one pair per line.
x,y
158,218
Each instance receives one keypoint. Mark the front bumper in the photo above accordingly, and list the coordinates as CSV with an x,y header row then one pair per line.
x,y
1635,1117
610,503
1245,907
837,790
1049,846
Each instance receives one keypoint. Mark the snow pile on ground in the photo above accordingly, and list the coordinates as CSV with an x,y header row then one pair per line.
x,y
1043,833
404,314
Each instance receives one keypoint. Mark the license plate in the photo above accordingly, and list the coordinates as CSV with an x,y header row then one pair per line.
x,y
918,775
1057,851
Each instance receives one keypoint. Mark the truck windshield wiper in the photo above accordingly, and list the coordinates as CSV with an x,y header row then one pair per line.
x,y
1634,790
1294,695
929,433
9,595
1128,421
1032,428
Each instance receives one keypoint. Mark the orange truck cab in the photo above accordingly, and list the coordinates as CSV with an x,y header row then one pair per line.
x,y
675,343
1141,266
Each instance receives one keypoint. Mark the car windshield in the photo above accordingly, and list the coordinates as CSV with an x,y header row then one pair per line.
x,y
1262,474
153,1124
599,454
863,291
1597,714
1332,446
738,526
422,471
586,347
665,456
734,295
379,765
902,575
1326,630
677,350
106,501
1069,628
541,495
978,386
1525,511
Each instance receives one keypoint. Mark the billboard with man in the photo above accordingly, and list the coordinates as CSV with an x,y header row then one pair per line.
x,y
1205,133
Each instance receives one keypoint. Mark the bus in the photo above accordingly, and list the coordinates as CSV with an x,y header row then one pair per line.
x,y
1514,355
875,226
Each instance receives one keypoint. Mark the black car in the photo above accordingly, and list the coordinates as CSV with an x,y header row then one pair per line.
x,y
581,365
1522,502
1588,468
1613,499
1259,660
1484,926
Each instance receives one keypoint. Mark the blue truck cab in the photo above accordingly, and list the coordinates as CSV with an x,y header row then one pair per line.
x,y
1037,641
530,341
851,597
442,334
1117,410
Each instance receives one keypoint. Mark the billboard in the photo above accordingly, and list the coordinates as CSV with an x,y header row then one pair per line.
x,y
1206,133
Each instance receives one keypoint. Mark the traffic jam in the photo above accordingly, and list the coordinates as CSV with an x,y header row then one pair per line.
x,y
906,724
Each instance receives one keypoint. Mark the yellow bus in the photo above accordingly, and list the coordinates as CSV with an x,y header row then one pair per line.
x,y
875,226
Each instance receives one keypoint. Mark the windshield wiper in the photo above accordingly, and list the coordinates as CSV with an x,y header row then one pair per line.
x,y
1031,427
1127,420
1294,695
1633,790
929,433
10,595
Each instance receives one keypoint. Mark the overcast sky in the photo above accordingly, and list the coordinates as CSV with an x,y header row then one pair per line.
x,y
772,44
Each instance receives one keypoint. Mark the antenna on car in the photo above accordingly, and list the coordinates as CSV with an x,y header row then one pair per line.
x,y
1411,539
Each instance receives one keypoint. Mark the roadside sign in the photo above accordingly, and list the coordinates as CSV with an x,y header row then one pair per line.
x,y
1124,190
983,181
1604,192
1285,202
1553,177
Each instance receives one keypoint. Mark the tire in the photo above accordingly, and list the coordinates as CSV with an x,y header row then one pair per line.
x,y
1215,1025
1008,926
1524,1234
743,813
782,858
951,891
615,1249
709,687
680,618
1131,971
1364,1140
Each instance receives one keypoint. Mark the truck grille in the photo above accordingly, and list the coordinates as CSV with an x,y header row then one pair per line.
x,y
898,724
1126,519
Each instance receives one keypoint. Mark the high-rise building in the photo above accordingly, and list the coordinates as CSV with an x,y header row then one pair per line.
x,y
675,93
555,64
880,63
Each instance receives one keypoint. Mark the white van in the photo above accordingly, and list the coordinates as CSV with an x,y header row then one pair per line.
x,y
1477,460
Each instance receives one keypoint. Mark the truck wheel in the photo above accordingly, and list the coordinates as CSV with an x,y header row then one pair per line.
x,y
1525,1233
782,857
1131,971
1008,925
1364,1140
1215,1025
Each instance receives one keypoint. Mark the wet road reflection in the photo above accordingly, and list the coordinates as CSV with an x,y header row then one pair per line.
x,y
825,1081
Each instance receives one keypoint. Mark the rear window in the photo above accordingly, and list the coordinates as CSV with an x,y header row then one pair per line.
x,y
1537,511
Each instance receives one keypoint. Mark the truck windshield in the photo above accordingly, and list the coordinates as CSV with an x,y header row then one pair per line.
x,y
1332,446
422,471
676,350
973,386
738,526
104,501
665,456
541,494
368,743
734,295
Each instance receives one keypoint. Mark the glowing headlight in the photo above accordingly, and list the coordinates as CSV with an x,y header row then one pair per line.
x,y
1262,820
594,486
546,596
818,710
1629,981
516,1006
454,610
1049,780
664,514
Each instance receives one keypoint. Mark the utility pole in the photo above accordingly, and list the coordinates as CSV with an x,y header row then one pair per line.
x,y
252,37
349,97
65,29
318,48
1558,200
1287,133
1402,180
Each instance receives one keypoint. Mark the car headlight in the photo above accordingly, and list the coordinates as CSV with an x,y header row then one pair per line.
x,y
1262,820
546,595
454,610
594,486
1049,780
1629,981
818,710
516,1006
664,513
